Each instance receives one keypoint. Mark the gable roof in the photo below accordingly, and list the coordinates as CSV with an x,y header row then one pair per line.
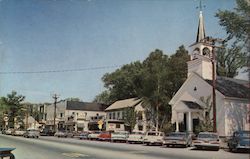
x,y
192,105
231,87
124,104
75,105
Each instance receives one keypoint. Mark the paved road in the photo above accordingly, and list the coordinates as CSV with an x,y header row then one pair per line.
x,y
54,148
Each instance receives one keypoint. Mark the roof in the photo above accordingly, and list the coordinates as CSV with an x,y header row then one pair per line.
x,y
192,105
76,105
231,87
124,103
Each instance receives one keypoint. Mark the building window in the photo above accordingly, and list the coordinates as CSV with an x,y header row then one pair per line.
x,y
118,115
140,127
113,115
110,116
123,114
45,116
61,115
140,116
118,126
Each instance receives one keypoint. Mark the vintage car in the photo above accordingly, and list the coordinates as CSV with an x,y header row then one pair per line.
x,y
104,136
178,139
9,131
239,140
84,135
47,132
153,138
120,136
31,133
136,137
63,133
18,132
94,135
207,140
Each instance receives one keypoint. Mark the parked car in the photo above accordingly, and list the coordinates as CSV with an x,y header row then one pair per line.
x,y
84,135
178,139
47,132
136,137
207,140
34,133
239,140
18,132
63,133
120,136
9,131
93,135
153,138
105,136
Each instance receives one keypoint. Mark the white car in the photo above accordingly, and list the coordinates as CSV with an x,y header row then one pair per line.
x,y
153,138
119,136
94,135
207,140
136,137
18,132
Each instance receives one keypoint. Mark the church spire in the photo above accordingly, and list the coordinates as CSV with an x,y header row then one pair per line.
x,y
201,29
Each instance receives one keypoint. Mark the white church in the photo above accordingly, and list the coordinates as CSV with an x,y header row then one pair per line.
x,y
232,95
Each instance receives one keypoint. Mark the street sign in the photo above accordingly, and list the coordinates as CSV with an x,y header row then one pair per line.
x,y
6,119
100,123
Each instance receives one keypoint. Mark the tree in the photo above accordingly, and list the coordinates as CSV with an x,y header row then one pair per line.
x,y
103,98
207,123
122,83
229,60
130,117
236,23
13,103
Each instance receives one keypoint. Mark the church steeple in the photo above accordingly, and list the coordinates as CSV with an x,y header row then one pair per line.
x,y
201,29
200,62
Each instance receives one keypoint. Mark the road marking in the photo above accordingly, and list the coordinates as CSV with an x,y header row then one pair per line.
x,y
74,155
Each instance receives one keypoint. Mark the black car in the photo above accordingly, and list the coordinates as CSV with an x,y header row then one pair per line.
x,y
239,140
47,132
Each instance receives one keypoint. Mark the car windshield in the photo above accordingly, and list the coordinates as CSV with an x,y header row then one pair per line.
x,y
137,133
176,135
207,136
245,134
153,134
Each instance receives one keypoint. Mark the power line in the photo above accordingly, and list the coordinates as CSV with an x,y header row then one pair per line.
x,y
61,71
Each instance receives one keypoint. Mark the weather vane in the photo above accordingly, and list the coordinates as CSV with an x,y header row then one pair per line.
x,y
200,6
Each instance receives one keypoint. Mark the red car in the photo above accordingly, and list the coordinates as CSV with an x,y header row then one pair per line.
x,y
105,136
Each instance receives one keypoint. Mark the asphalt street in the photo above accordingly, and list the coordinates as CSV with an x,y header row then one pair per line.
x,y
54,148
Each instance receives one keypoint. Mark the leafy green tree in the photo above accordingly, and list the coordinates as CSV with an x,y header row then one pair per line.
x,y
229,60
130,117
103,98
122,83
236,23
13,103
207,123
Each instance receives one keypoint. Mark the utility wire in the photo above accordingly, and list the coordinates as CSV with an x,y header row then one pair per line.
x,y
63,70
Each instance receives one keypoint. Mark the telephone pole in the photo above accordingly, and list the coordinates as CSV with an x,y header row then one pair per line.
x,y
211,42
55,97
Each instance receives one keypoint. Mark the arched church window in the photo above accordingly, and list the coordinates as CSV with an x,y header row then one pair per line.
x,y
206,52
196,52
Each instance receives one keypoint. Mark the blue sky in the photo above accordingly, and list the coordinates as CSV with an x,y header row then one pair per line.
x,y
41,35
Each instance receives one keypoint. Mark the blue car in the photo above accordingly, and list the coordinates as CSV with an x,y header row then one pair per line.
x,y
239,140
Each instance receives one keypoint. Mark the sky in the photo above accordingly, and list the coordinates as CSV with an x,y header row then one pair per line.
x,y
50,35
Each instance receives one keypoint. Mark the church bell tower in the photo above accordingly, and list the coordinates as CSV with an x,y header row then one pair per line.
x,y
201,53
